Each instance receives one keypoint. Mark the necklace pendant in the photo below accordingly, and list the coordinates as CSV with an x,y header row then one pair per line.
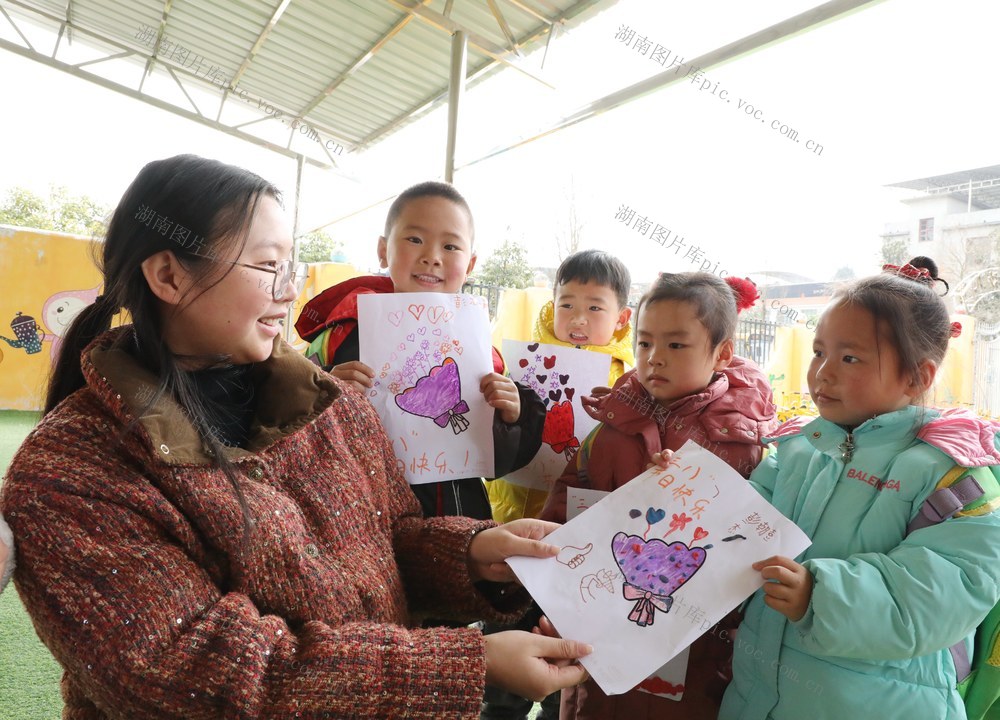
x,y
847,448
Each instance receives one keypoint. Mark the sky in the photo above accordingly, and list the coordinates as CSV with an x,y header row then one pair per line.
x,y
900,90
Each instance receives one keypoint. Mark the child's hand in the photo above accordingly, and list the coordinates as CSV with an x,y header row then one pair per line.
x,y
660,459
600,391
355,373
788,588
501,393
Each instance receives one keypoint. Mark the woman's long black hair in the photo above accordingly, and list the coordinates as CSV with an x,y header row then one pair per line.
x,y
198,209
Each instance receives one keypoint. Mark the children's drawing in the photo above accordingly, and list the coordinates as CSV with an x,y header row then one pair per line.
x,y
573,556
653,572
667,584
556,374
438,395
430,352
603,579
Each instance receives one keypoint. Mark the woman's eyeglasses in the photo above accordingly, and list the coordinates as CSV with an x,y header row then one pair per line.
x,y
286,272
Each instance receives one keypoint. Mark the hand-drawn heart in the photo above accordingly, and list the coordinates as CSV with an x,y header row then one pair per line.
x,y
416,310
437,395
555,395
436,331
654,565
459,350
396,317
700,533
523,362
563,379
422,329
402,346
542,378
434,313
373,393
448,315
532,347
654,516
633,513
411,337
549,362
385,368
570,392
455,340
382,374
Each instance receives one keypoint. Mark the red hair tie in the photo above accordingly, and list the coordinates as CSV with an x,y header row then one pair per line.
x,y
745,291
909,271
956,329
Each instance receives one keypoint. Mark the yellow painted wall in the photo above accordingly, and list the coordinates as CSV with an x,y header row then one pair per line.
x,y
37,265
49,277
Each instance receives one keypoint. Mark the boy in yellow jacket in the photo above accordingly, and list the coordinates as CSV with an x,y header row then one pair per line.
x,y
589,310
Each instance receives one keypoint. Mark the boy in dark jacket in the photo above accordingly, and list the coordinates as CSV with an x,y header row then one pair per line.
x,y
427,247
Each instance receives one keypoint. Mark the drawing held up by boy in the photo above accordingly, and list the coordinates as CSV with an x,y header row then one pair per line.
x,y
427,245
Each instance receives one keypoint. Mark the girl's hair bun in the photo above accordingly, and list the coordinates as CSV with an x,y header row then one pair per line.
x,y
920,269
745,291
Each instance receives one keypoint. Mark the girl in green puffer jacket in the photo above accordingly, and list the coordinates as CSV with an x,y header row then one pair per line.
x,y
861,624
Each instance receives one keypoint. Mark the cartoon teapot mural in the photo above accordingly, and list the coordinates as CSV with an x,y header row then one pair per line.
x,y
27,332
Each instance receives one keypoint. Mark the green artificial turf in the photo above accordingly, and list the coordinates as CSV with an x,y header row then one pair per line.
x,y
29,676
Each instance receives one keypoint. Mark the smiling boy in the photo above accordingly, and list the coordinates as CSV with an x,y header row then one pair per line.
x,y
427,246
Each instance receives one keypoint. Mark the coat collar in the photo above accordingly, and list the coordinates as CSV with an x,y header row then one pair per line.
x,y
292,392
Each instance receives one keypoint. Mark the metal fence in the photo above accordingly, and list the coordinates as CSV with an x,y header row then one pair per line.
x,y
986,369
755,340
490,292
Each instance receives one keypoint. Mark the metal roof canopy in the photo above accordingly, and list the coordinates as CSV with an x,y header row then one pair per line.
x,y
341,72
979,188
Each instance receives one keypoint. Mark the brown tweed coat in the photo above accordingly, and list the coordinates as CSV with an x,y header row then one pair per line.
x,y
132,563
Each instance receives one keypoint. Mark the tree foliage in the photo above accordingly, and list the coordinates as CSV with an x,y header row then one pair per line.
x,y
507,267
60,212
845,273
895,250
318,247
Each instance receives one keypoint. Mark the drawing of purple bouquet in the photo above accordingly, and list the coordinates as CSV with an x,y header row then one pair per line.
x,y
653,572
437,395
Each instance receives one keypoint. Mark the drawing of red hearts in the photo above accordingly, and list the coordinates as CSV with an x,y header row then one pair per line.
x,y
700,533
434,313
416,310
549,362
570,392
523,362
396,317
558,430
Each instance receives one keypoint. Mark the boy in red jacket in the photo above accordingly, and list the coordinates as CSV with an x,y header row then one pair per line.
x,y
427,247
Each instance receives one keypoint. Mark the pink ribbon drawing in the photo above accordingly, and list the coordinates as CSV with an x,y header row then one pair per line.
x,y
648,602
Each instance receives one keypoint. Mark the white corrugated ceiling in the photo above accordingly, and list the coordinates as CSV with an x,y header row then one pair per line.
x,y
343,73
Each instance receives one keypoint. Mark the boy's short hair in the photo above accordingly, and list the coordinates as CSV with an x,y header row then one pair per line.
x,y
712,298
430,188
599,267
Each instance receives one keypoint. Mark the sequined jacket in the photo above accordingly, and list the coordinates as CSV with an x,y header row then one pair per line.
x,y
137,574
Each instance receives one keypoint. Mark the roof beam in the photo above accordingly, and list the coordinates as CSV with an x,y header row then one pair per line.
x,y
154,101
808,20
484,45
438,97
358,63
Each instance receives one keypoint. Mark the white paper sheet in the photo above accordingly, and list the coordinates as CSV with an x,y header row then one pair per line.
x,y
580,499
650,568
429,352
560,376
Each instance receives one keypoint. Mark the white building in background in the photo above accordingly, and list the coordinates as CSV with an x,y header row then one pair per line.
x,y
954,219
